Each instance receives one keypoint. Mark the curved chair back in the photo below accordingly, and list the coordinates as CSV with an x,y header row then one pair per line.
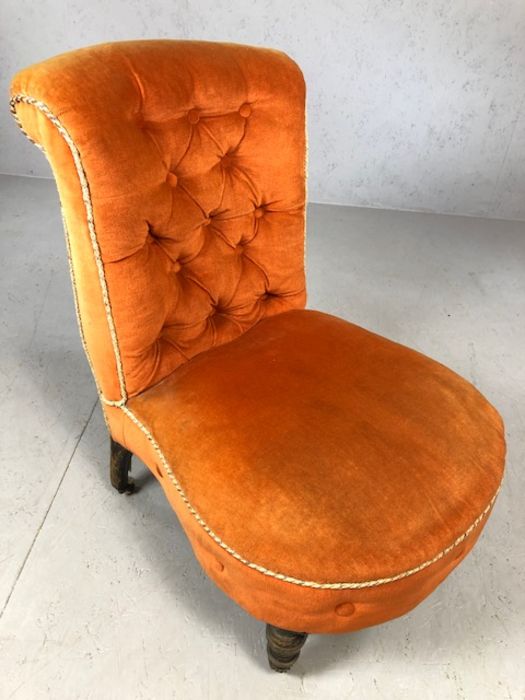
x,y
181,172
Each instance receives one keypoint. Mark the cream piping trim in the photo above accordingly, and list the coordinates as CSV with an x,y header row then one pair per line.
x,y
86,196
275,574
75,299
108,402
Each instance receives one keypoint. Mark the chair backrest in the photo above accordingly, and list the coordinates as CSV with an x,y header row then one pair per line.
x,y
180,167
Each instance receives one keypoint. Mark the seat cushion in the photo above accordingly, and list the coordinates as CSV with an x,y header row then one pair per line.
x,y
320,456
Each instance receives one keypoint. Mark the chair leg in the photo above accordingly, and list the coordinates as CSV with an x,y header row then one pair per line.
x,y
119,468
283,647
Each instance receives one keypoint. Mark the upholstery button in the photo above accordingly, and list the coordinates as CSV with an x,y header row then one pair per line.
x,y
206,222
345,609
245,110
193,116
172,179
219,566
258,212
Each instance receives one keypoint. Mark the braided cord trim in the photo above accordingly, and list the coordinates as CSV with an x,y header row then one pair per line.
x,y
280,576
86,196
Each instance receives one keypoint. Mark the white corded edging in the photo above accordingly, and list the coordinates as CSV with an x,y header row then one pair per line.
x,y
275,574
86,196
75,299
77,312
121,403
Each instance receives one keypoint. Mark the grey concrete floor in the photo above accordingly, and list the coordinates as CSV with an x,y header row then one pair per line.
x,y
101,596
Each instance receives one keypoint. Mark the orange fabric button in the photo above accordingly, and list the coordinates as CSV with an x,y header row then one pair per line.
x,y
172,179
258,213
193,116
245,110
206,222
345,609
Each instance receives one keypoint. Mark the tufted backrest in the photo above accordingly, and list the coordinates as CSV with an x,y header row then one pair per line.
x,y
180,167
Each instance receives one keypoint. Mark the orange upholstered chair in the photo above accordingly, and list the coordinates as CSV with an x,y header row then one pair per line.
x,y
328,479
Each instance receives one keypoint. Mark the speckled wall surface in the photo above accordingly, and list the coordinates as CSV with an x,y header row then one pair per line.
x,y
415,104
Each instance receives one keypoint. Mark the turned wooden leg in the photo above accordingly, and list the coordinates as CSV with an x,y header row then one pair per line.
x,y
119,468
283,647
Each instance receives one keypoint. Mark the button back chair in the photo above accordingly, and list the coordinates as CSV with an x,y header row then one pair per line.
x,y
328,479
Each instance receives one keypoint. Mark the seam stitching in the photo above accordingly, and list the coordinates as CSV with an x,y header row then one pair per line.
x,y
86,196
284,577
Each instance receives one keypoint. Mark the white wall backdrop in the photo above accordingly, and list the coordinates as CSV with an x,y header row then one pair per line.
x,y
413,104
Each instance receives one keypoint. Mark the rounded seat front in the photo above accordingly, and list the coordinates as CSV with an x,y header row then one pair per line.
x,y
328,479
325,458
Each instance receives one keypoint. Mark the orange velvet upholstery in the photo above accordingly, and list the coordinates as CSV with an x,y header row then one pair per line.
x,y
200,232
317,451
327,478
